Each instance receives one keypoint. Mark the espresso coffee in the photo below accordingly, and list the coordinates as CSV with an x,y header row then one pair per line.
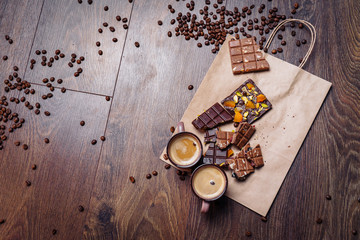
x,y
209,182
184,149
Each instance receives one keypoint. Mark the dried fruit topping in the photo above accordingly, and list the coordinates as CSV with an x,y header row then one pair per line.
x,y
238,117
229,104
260,98
250,104
250,86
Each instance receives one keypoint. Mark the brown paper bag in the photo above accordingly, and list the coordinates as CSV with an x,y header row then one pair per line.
x,y
296,96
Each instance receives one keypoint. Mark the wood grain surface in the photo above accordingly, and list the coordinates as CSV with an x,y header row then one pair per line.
x,y
148,89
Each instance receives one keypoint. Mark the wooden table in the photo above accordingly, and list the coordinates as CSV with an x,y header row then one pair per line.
x,y
148,89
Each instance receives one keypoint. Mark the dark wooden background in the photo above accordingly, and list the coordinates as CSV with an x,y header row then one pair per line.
x,y
148,89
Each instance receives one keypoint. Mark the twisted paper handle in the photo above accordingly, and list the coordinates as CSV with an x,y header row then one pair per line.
x,y
306,23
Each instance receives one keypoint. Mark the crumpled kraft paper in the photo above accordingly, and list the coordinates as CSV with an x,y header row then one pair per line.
x,y
296,96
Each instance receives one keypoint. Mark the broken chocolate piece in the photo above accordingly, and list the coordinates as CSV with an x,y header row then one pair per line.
x,y
214,155
242,135
248,100
210,136
246,56
241,168
223,139
212,117
255,157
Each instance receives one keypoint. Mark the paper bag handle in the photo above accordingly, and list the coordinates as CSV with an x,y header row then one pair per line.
x,y
306,23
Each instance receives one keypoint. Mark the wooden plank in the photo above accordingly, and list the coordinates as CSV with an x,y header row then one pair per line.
x,y
65,167
73,28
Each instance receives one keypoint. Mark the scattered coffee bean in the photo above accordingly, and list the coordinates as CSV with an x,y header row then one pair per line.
x,y
160,23
70,64
319,221
82,123
46,140
33,167
169,34
328,197
301,25
112,29
106,8
100,30
167,166
100,52
148,176
293,11
166,156
63,90
102,138
182,178
10,41
37,52
25,147
172,129
303,41
47,113
107,98
298,43
114,39
5,58
2,221
125,26
248,234
354,232
300,60
264,219
78,61
124,20
137,44
296,5
81,208
280,50
199,45
178,172
98,44
76,74
132,179
54,231
190,87
28,183
274,51
118,18
236,124
155,173
283,42
93,142
17,143
293,33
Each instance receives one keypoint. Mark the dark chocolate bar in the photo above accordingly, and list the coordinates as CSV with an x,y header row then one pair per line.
x,y
247,103
223,138
215,155
242,134
212,117
210,136
246,56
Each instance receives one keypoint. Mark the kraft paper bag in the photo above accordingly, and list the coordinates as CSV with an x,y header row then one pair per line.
x,y
296,96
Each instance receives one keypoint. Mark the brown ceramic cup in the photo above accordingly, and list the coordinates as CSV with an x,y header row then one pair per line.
x,y
184,149
209,183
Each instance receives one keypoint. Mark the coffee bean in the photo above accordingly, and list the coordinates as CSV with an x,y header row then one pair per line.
x,y
102,138
190,87
301,25
169,34
137,44
132,179
70,64
7,37
359,199
81,208
46,140
283,43
328,197
280,50
62,55
199,45
182,178
37,105
155,173
112,29
248,233
148,176
165,156
90,2
47,113
5,58
106,8
10,41
293,11
54,231
78,61
107,98
293,33
76,74
33,167
118,18
296,5
100,52
25,147
52,88
100,30
93,142
125,26
17,143
178,172
37,111
63,90
292,25
319,221
82,58
172,129
82,123
303,41
114,39
167,166
354,232
236,124
298,43
124,20
264,219
274,51
160,22
28,183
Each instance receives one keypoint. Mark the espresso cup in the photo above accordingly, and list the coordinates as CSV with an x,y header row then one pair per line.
x,y
209,183
184,149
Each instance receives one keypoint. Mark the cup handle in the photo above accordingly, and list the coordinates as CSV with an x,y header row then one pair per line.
x,y
181,127
205,206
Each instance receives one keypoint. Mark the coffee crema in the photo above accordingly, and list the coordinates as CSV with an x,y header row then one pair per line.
x,y
209,182
184,150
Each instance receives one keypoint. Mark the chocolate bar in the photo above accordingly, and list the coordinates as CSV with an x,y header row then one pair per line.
x,y
247,103
255,156
215,155
246,56
241,168
212,117
210,136
223,139
242,134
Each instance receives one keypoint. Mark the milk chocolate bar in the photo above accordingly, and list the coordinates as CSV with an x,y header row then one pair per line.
x,y
247,103
210,136
246,56
241,168
223,138
242,134
214,155
255,156
212,117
